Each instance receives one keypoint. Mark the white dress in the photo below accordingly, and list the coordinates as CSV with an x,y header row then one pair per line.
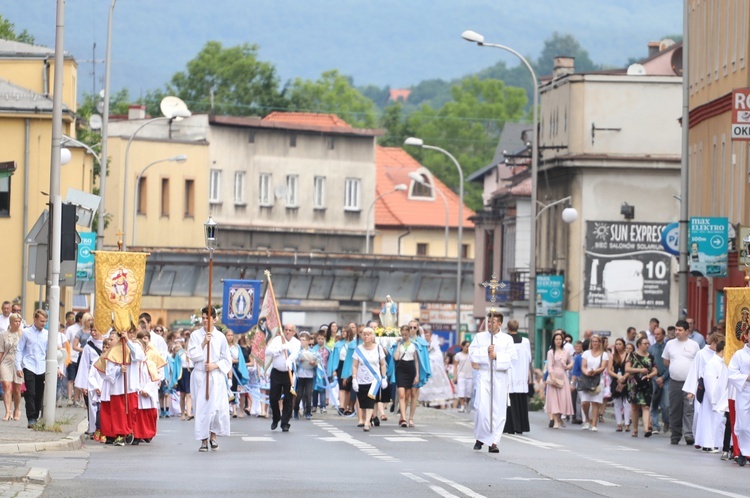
x,y
438,388
593,363
212,414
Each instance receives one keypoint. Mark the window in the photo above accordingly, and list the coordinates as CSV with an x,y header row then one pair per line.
x,y
264,189
292,140
189,198
423,189
5,196
142,195
319,192
330,143
165,197
214,188
239,187
351,195
465,251
291,191
422,249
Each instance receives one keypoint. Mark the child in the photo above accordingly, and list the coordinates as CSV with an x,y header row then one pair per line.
x,y
463,377
322,353
306,365
93,389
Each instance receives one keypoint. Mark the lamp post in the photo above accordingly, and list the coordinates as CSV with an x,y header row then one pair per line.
x,y
398,188
569,214
178,112
418,142
420,180
479,40
177,159
209,231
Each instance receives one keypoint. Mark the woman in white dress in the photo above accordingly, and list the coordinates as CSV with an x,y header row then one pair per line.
x,y
438,390
593,363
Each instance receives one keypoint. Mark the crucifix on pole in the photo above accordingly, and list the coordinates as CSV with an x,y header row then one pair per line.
x,y
493,285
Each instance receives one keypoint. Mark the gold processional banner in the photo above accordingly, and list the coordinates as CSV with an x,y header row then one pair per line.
x,y
738,319
119,288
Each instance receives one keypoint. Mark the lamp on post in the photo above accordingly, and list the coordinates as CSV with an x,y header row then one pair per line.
x,y
479,40
176,159
420,180
209,231
418,142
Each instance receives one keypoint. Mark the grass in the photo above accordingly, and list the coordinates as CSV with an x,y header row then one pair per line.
x,y
41,425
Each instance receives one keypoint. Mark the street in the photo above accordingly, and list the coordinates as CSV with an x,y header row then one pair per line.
x,y
331,456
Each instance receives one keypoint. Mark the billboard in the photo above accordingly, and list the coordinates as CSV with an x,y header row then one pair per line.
x,y
626,265
549,295
707,254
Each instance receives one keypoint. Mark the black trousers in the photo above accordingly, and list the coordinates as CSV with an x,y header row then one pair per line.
x,y
34,394
304,394
280,384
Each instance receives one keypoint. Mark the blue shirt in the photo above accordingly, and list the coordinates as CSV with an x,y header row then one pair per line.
x,y
576,370
698,337
656,350
32,350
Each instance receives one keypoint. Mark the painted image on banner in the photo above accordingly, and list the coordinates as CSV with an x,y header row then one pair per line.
x,y
626,265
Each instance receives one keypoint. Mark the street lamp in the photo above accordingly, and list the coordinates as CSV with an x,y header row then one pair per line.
x,y
418,142
420,180
177,159
398,188
170,114
479,40
569,214
209,232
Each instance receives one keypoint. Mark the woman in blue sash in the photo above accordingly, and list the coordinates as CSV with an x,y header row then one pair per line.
x,y
369,376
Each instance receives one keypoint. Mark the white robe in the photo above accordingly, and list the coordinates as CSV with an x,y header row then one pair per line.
x,y
497,403
94,382
519,368
86,359
438,388
114,379
710,432
697,369
212,414
148,398
739,369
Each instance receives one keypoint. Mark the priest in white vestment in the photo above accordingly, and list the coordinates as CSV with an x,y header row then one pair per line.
x,y
491,355
697,369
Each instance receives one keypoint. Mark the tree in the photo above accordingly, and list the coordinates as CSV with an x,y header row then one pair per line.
x,y
379,95
333,93
8,32
563,45
231,81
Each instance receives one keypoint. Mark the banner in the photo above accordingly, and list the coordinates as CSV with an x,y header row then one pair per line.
x,y
85,262
241,304
738,319
119,288
269,312
708,247
626,265
549,295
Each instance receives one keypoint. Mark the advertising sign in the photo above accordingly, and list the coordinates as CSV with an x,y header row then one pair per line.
x,y
670,238
741,114
707,254
626,265
549,295
85,262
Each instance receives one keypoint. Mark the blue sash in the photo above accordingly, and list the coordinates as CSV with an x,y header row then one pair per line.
x,y
375,387
347,370
333,359
423,353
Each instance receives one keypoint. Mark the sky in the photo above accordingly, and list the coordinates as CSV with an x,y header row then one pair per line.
x,y
384,42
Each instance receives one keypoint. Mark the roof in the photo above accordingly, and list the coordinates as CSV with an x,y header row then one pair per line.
x,y
15,98
297,121
399,94
10,48
393,167
510,141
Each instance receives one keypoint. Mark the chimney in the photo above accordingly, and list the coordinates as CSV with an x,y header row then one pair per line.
x,y
563,66
653,48
136,111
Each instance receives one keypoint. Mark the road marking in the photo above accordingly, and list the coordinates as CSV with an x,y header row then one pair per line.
x,y
526,479
441,491
406,439
258,439
710,490
597,481
625,448
467,491
532,442
413,477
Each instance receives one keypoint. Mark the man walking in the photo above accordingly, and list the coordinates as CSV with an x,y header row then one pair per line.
x,y
678,356
660,383
284,350
31,356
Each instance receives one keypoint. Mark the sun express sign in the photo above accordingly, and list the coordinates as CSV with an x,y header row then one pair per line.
x,y
741,114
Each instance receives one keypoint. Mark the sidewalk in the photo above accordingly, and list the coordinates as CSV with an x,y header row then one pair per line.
x,y
15,437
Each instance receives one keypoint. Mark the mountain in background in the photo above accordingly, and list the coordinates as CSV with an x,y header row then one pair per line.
x,y
382,43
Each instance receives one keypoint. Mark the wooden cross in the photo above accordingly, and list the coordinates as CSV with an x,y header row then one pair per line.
x,y
119,239
493,284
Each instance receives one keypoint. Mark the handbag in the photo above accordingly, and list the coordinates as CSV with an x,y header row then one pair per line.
x,y
590,384
700,391
553,381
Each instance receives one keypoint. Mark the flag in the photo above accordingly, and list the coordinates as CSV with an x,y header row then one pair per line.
x,y
738,319
270,311
119,282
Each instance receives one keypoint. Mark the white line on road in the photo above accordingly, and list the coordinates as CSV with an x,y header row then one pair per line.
x,y
467,491
413,477
526,479
406,439
710,490
532,442
257,439
597,481
441,491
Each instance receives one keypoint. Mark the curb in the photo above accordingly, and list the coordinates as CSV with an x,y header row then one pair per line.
x,y
73,441
33,475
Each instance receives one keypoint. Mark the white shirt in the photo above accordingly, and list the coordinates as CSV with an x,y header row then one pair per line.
x,y
4,322
70,333
680,355
276,349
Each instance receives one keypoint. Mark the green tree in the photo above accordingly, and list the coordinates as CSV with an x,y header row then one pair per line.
x,y
333,93
393,121
379,95
230,81
8,32
563,45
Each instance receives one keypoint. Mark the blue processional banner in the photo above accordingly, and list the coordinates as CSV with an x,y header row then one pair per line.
x,y
241,304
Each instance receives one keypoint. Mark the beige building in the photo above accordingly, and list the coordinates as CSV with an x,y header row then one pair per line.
x,y
26,75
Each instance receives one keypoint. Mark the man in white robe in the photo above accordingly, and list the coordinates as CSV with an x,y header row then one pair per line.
x,y
710,433
697,370
739,378
212,414
91,352
491,355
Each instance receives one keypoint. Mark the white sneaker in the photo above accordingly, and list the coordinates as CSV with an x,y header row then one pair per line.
x,y
585,426
461,410
594,429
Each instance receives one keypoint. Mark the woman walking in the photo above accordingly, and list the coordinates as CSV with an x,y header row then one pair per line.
x,y
8,375
619,386
559,401
407,373
642,369
593,363
368,376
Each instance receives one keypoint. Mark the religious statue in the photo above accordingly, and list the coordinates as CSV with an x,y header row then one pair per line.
x,y
389,314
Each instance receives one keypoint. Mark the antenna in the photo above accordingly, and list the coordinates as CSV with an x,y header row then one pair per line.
x,y
173,108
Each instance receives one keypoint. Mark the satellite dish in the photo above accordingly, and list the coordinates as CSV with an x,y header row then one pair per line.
x,y
636,70
100,106
95,122
665,44
173,107
279,192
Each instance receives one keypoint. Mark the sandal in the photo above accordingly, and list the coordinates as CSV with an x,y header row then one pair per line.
x,y
366,428
619,428
411,423
648,433
402,423
635,433
383,418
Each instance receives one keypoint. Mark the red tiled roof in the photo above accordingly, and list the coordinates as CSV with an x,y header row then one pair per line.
x,y
399,93
393,167
307,118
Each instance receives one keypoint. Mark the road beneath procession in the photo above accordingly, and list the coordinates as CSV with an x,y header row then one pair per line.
x,y
330,456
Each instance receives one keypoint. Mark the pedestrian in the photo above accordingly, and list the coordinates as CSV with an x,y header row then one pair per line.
x,y
183,380
306,365
559,402
660,383
575,374
517,418
208,381
641,369
703,419
91,352
463,376
653,324
678,357
619,386
11,381
73,327
30,363
493,353
739,379
322,380
695,334
369,377
407,375
284,349
715,404
437,391
593,363
151,371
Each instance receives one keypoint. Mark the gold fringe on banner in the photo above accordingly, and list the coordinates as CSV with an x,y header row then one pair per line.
x,y
119,288
737,318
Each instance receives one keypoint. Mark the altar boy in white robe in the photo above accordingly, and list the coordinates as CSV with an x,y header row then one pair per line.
x,y
710,433
739,378
491,355
212,414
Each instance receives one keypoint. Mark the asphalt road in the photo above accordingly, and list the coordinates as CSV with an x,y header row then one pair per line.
x,y
330,456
